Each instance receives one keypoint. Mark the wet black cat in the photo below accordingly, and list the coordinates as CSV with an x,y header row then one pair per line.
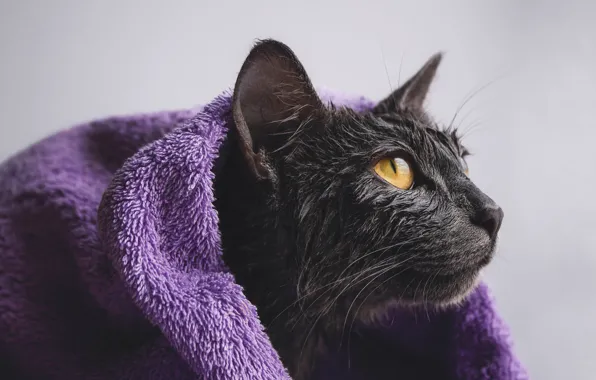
x,y
315,233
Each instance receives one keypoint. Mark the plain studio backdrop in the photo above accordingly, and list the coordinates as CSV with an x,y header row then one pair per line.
x,y
530,129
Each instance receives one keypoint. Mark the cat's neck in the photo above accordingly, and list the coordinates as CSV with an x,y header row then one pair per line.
x,y
254,246
259,251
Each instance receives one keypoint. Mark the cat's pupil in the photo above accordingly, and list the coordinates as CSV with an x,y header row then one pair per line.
x,y
393,166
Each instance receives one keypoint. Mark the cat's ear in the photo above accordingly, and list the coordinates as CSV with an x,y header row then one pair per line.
x,y
272,93
411,95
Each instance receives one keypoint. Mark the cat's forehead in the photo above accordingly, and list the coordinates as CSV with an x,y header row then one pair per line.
x,y
423,127
448,137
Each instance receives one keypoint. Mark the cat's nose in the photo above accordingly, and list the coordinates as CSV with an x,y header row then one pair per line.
x,y
490,218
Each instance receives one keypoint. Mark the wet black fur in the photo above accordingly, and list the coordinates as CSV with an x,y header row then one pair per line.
x,y
310,231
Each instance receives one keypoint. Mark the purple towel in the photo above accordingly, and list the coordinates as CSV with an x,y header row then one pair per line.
x,y
111,268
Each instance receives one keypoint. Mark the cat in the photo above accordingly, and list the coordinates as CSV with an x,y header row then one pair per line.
x,y
329,215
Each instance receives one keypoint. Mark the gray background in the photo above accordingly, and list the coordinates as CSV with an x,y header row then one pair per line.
x,y
64,62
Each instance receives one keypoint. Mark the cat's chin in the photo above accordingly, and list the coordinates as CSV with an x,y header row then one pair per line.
x,y
442,289
445,291
459,288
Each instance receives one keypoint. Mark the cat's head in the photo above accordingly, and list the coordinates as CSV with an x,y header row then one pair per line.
x,y
377,206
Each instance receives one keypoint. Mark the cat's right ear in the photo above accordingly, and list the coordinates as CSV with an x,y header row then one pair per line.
x,y
411,95
272,93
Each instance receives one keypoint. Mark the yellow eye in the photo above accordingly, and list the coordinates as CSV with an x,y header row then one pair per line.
x,y
396,171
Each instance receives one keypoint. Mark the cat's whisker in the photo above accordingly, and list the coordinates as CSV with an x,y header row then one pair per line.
x,y
386,260
281,133
461,129
299,281
371,253
401,62
376,275
348,312
406,288
424,301
386,70
464,128
416,290
424,297
502,258
469,98
360,306
340,279
397,265
468,114
471,127
314,324
474,128
380,265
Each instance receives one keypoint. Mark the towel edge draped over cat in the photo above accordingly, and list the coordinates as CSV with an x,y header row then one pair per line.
x,y
112,269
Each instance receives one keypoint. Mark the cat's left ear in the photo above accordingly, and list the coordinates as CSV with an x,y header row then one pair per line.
x,y
411,95
273,96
